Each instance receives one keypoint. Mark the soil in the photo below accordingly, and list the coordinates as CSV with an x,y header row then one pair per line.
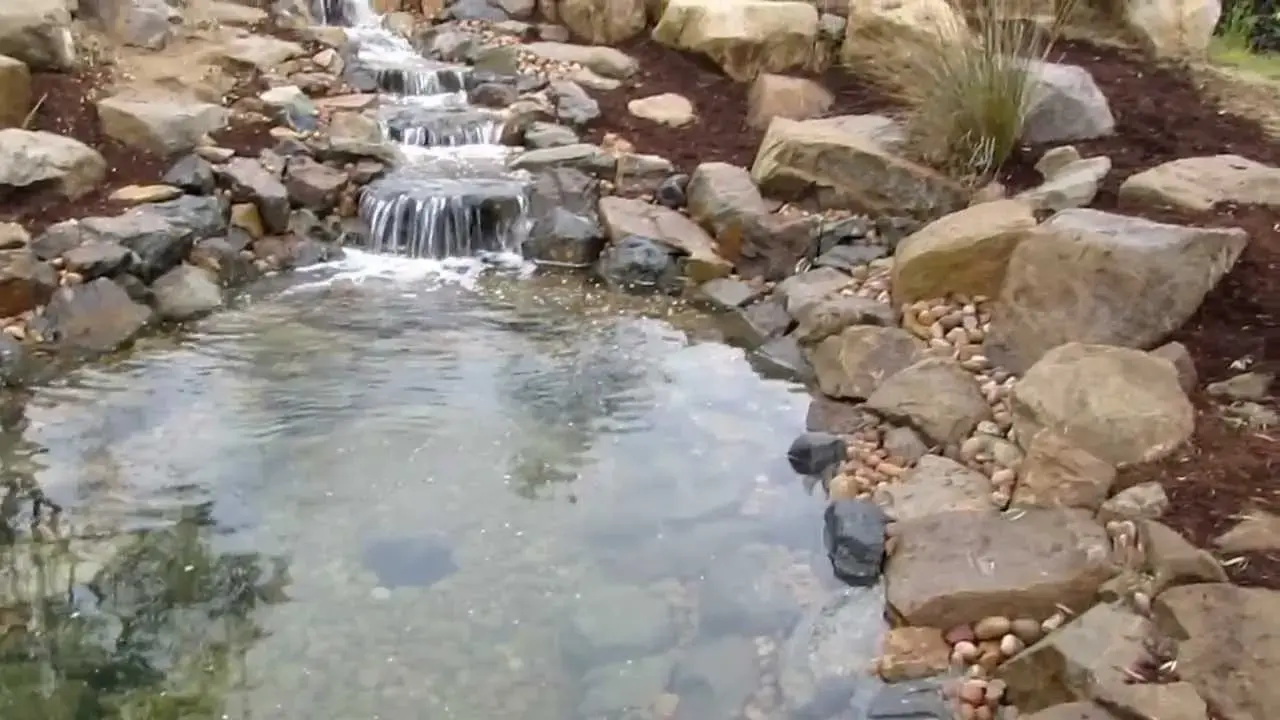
x,y
1162,114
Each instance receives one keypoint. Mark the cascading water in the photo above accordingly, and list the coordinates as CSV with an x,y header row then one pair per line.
x,y
453,195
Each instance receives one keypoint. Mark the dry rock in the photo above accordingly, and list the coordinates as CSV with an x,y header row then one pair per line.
x,y
743,37
1057,473
913,653
1199,183
855,362
782,96
936,484
936,396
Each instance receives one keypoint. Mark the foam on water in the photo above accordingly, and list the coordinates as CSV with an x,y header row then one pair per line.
x,y
413,274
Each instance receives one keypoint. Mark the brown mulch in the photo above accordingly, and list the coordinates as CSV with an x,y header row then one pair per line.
x,y
68,109
1161,115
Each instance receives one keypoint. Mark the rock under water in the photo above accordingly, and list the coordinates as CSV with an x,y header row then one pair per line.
x,y
418,561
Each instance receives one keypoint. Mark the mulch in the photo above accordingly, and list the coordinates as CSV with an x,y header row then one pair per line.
x,y
1161,115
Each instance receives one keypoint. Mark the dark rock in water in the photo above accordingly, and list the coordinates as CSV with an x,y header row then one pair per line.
x,y
420,561
13,361
193,174
493,95
96,317
782,358
816,453
671,192
823,664
853,532
639,264
564,222
912,700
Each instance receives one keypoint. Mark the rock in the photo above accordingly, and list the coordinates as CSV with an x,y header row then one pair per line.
x,y
137,194
572,104
636,263
224,257
936,396
1072,711
97,258
25,282
913,653
1199,183
186,292
665,109
824,662
38,33
549,135
1245,386
757,324
905,443
1228,645
1056,473
1176,354
747,593
594,636
15,91
911,700
965,252
799,292
1064,104
565,226
879,29
160,234
586,157
13,236
781,358
1089,653
935,485
162,126
853,533
855,362
627,216
744,37
721,195
1071,186
601,22
313,185
1026,565
28,157
835,416
1172,560
1172,29
606,61
259,52
1144,500
1095,277
625,686
1259,531
727,293
820,320
96,317
793,98
1165,701
1121,405
13,362
853,161
816,453
715,679
251,182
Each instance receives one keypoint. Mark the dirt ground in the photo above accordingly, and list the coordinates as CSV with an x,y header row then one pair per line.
x,y
1162,113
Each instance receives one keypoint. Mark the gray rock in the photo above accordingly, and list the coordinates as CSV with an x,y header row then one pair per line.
x,y
313,185
632,685
572,104
837,416
583,156
222,256
807,288
160,234
671,192
936,396
549,135
1245,386
1065,105
714,680
615,623
186,292
97,258
25,282
13,362
721,194
757,324
95,317
911,700
853,533
820,320
816,453
905,443
782,358
565,223
824,662
936,484
636,263
727,293
249,181
193,174
28,157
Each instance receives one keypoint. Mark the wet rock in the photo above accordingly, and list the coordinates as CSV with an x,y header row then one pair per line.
x,y
936,396
162,126
249,181
29,157
572,104
493,95
186,292
820,320
1118,404
747,592
13,362
1065,104
816,453
756,324
824,663
639,264
312,185
224,257
549,135
807,288
1057,473
615,623
96,258
782,358
565,225
672,192
722,195
727,293
855,362
715,679
160,234
1027,564
96,317
936,485
25,282
631,685
923,699
853,533
625,216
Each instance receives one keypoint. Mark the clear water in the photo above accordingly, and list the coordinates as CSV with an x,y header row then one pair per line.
x,y
385,490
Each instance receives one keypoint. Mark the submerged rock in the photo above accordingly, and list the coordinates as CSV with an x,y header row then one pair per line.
x,y
824,663
816,453
96,317
853,532
420,561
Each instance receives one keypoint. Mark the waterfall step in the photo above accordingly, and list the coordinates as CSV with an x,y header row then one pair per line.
x,y
440,125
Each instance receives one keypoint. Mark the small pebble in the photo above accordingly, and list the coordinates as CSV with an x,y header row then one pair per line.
x,y
1011,645
974,691
1027,629
966,652
1053,622
991,628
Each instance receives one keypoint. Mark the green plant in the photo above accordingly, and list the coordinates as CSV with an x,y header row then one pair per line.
x,y
969,90
1235,27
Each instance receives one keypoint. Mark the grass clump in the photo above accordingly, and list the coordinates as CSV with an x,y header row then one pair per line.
x,y
969,92
1234,42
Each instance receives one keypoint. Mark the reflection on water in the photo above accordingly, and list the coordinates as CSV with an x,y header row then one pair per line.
x,y
384,500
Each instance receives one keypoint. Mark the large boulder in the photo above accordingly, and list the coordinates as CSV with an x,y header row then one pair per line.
x,y
877,30
855,362
600,22
28,157
853,162
743,37
15,91
1064,104
38,32
565,228
1199,183
1173,28
1121,405
1096,277
936,396
96,317
955,568
625,217
163,126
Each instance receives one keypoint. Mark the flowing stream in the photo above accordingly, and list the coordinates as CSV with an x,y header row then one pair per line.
x,y
395,487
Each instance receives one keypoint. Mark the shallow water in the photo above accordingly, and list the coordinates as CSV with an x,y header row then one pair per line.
x,y
384,497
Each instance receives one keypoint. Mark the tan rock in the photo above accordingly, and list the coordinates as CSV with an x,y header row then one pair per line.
x,y
880,29
743,37
913,653
163,126
629,216
721,195
1144,500
245,216
936,396
965,252
954,568
1121,405
1173,28
15,91
28,157
1228,645
854,363
25,282
1259,531
1150,701
13,236
936,484
601,22
794,98
1172,560
1199,183
135,194
1177,355
665,109
606,61
1072,711
1057,473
